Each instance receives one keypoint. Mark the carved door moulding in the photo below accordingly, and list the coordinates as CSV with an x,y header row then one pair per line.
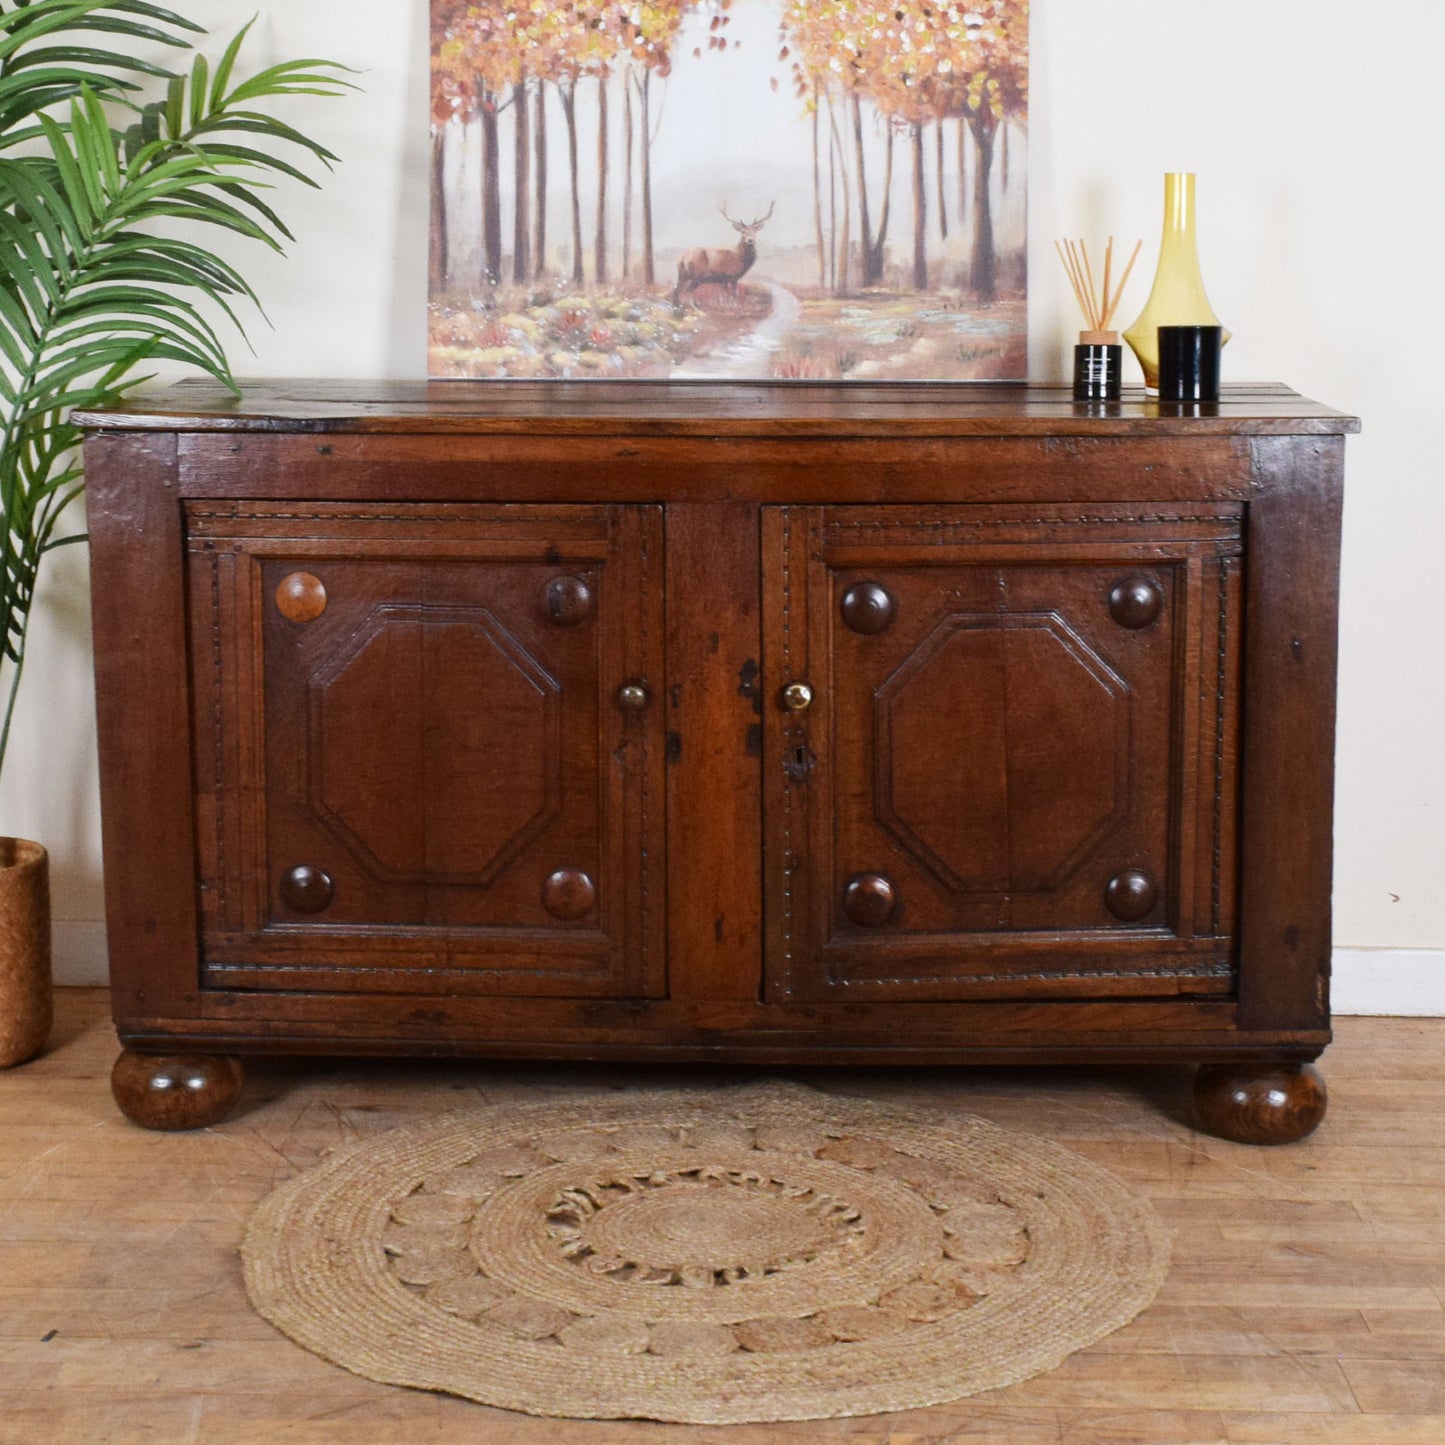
x,y
433,743
1004,750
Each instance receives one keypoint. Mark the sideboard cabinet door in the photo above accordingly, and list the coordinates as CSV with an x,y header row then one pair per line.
x,y
1000,750
426,746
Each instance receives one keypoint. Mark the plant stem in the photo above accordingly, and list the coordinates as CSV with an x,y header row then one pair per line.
x,y
14,688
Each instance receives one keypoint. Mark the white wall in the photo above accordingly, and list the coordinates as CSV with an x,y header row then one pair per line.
x,y
1316,141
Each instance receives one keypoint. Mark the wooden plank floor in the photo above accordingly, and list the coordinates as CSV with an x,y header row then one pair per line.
x,y
1305,1301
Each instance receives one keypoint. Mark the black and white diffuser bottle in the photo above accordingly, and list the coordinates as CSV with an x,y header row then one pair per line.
x,y
1099,356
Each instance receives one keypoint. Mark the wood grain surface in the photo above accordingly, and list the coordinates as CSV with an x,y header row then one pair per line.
x,y
511,721
707,409
1306,1301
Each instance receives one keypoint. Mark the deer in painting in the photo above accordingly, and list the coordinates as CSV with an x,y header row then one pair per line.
x,y
723,266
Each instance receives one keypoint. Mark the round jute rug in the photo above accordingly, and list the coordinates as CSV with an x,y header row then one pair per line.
x,y
708,1256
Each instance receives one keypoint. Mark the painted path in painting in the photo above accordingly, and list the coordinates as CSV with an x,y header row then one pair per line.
x,y
750,357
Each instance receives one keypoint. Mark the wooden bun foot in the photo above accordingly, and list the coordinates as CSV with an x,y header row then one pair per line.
x,y
1259,1104
168,1091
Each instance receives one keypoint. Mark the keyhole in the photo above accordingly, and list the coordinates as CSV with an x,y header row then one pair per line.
x,y
798,763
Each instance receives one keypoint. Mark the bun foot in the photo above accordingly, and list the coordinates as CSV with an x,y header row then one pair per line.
x,y
1251,1104
167,1091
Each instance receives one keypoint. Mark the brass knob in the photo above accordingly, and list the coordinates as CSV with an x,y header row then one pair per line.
x,y
632,697
797,697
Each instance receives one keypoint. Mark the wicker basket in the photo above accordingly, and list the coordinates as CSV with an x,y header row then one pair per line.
x,y
26,997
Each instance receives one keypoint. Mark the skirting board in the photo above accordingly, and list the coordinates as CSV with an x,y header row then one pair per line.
x,y
1366,981
1395,981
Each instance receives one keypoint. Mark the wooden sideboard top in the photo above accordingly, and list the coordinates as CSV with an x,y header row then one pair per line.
x,y
705,409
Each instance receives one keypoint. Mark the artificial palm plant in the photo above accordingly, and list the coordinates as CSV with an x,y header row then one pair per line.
x,y
106,198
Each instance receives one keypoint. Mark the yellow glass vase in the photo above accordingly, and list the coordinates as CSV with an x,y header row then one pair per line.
x,y
1178,297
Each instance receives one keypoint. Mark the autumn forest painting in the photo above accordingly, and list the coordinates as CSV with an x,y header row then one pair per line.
x,y
803,190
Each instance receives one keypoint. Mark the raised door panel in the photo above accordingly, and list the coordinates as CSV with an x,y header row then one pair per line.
x,y
1016,771
427,753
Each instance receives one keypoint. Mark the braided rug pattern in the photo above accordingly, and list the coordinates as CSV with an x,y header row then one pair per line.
x,y
707,1256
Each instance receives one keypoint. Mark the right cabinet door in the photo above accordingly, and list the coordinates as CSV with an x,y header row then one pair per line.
x,y
1000,750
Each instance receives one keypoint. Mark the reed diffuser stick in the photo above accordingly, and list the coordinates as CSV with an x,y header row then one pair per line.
x,y
1124,279
1108,265
1098,303
1098,324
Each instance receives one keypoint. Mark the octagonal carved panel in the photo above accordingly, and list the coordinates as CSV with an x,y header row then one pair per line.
x,y
1038,771
435,745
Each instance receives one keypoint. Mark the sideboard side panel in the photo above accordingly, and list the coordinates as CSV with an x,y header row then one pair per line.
x,y
143,713
1292,568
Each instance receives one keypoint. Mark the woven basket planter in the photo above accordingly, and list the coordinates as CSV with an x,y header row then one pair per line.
x,y
26,997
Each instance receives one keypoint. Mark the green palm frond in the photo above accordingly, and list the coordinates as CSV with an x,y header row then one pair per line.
x,y
46,56
94,284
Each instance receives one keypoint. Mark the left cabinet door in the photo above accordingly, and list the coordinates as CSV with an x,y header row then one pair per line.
x,y
427,747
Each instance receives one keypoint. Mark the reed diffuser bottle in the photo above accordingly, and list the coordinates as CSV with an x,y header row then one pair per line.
x,y
1098,358
1177,297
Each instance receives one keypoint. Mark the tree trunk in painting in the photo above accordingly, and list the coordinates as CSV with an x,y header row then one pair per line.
x,y
628,144
491,194
872,246
983,272
649,268
963,138
521,189
882,241
1003,158
920,213
832,213
818,195
872,259
942,193
600,245
845,246
569,111
539,233
437,256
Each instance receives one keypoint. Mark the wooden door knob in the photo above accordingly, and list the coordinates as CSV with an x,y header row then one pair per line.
x,y
569,894
632,697
1135,602
567,601
797,697
1131,895
868,608
301,597
307,890
869,900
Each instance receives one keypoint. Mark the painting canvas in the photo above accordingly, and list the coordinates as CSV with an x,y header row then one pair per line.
x,y
807,190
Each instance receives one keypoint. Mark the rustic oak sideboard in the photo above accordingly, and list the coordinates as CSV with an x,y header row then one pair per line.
x,y
778,724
